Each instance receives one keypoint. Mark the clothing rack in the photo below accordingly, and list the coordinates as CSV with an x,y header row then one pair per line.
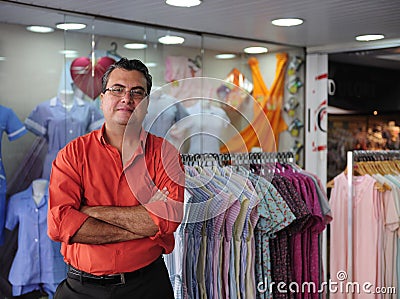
x,y
360,156
379,155
282,161
212,159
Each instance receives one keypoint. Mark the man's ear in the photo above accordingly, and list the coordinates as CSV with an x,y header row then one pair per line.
x,y
101,101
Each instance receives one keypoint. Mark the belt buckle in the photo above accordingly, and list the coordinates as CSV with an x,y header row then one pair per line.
x,y
122,276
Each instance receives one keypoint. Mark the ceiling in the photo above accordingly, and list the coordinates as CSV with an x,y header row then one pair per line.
x,y
329,26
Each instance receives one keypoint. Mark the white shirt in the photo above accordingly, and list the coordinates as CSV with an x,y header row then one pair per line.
x,y
207,123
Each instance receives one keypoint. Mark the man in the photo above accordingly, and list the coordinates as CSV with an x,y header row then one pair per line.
x,y
116,198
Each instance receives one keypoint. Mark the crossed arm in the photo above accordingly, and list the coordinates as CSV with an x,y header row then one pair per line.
x,y
108,224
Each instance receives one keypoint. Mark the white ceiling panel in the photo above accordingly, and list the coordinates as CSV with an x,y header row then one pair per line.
x,y
328,25
326,22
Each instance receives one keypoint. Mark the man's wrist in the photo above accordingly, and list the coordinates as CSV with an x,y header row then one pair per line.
x,y
90,211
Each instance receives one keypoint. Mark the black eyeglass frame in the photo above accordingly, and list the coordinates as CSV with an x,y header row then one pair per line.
x,y
131,95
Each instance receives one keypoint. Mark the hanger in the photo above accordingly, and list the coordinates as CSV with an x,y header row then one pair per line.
x,y
113,51
396,165
371,167
197,61
393,167
330,184
363,168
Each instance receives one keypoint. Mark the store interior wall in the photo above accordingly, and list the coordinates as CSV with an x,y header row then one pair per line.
x,y
364,102
31,73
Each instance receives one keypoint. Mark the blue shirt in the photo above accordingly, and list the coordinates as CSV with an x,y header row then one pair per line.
x,y
193,229
38,259
274,215
9,123
59,126
175,260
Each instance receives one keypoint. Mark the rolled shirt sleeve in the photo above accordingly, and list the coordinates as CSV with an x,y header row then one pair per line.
x,y
65,198
167,215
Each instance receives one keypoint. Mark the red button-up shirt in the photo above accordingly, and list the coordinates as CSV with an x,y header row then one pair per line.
x,y
89,169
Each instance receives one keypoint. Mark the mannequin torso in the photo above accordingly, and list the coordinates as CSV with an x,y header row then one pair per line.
x,y
39,188
66,98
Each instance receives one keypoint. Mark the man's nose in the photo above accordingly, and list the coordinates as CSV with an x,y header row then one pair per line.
x,y
127,98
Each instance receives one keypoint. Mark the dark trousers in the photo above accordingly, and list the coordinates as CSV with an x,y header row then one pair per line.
x,y
150,283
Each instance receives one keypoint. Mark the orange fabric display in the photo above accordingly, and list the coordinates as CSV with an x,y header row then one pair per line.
x,y
236,95
267,123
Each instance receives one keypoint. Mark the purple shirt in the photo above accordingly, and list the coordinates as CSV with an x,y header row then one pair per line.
x,y
305,248
281,251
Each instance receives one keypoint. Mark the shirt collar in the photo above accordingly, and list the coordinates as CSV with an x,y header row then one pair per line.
x,y
77,101
140,149
142,137
29,194
100,134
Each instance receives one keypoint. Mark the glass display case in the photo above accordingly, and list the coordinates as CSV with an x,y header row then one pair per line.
x,y
61,70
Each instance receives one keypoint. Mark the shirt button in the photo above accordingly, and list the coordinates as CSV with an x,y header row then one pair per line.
x,y
70,131
36,210
36,240
118,252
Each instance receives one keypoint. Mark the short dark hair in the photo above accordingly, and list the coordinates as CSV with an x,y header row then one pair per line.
x,y
129,65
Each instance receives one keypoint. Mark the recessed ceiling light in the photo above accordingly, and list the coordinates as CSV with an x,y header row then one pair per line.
x,y
2,58
135,46
183,3
39,29
171,40
369,37
225,56
287,22
151,64
69,53
71,26
255,50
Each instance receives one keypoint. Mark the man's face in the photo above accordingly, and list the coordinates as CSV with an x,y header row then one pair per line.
x,y
118,109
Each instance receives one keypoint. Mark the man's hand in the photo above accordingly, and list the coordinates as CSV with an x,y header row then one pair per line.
x,y
160,195
135,219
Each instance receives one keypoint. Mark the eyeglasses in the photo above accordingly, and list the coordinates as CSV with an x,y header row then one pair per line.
x,y
136,94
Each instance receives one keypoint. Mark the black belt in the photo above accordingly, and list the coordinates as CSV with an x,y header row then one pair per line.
x,y
112,279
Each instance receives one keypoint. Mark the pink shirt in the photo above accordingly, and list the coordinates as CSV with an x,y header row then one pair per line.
x,y
366,229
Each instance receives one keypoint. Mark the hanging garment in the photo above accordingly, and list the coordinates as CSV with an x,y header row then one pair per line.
x,y
206,124
267,122
185,82
241,233
51,120
390,230
163,112
366,217
305,246
236,90
46,264
180,67
395,264
280,247
274,215
9,123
